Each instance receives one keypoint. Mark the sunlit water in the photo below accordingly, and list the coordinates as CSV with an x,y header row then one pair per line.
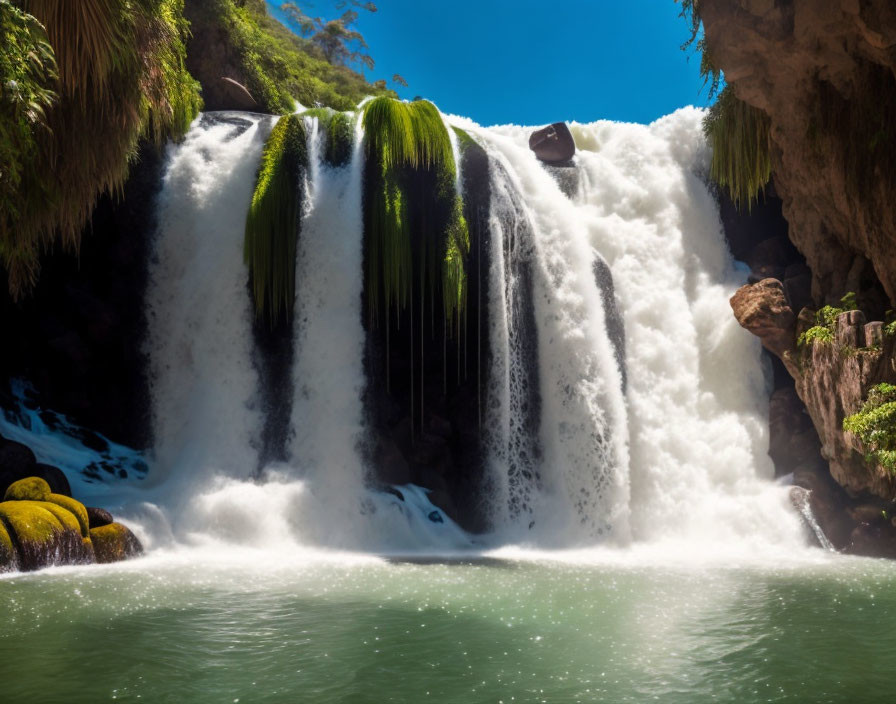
x,y
166,629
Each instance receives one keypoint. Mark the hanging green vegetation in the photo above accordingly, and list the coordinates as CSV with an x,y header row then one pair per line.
x,y
410,148
273,220
709,71
454,268
739,136
875,426
27,90
337,129
120,77
340,137
417,241
861,127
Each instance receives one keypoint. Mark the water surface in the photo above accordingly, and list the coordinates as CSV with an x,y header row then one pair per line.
x,y
173,629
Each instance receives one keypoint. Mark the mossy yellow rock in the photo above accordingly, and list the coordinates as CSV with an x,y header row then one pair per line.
x,y
30,489
44,534
74,507
9,559
114,542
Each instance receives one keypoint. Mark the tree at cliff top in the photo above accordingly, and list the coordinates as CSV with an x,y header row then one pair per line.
x,y
76,101
336,39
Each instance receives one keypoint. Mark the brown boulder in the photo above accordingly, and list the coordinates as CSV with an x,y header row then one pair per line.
x,y
762,309
553,144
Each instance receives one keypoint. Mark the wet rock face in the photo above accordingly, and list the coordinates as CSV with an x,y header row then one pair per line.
x,y
823,72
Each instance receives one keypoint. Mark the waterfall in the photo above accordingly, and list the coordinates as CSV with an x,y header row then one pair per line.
x,y
690,431
579,493
204,387
327,416
621,401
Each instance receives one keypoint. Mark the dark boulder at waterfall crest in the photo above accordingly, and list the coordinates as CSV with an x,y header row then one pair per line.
x,y
553,144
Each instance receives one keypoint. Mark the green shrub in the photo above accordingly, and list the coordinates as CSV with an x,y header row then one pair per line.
x,y
826,320
817,333
875,426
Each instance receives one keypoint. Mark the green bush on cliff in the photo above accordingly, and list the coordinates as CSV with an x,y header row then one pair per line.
x,y
875,426
826,320
279,67
273,220
119,77
27,90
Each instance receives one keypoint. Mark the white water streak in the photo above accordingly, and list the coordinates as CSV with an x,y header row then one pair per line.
x,y
204,386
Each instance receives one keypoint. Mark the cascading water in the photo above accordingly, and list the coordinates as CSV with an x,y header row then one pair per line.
x,y
583,494
575,455
692,435
206,415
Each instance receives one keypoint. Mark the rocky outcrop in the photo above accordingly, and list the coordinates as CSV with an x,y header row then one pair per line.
x,y
39,528
763,310
833,376
825,74
834,380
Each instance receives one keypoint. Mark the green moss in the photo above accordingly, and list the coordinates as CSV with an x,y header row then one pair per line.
x,y
464,138
875,426
408,146
338,134
113,543
739,136
76,508
8,557
29,489
33,522
67,519
340,138
273,220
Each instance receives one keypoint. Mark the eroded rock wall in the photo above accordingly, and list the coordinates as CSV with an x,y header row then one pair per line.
x,y
825,73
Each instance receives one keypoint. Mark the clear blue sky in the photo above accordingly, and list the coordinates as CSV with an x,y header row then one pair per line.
x,y
529,62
